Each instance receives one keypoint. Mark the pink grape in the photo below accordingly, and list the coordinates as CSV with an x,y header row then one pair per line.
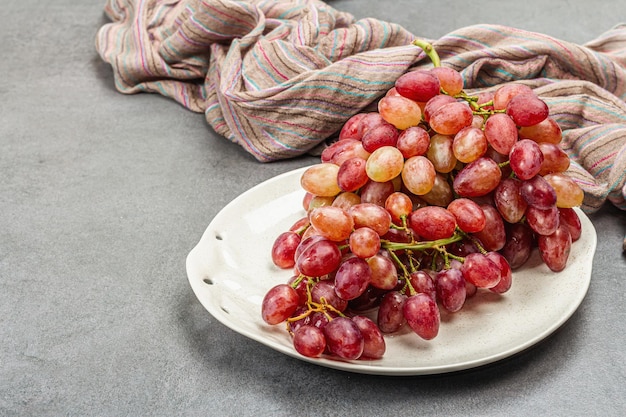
x,y
501,133
527,109
504,94
435,103
543,221
450,80
384,164
451,291
547,131
398,205
450,118
418,175
506,275
519,244
374,192
469,144
555,248
332,222
364,242
352,128
440,153
321,180
309,341
319,258
352,278
432,222
284,249
340,151
346,200
371,120
493,235
509,201
538,192
400,111
480,270
390,317
477,178
372,216
526,159
279,303
384,134
374,345
568,193
569,217
441,193
384,272
554,158
418,85
422,315
413,141
423,282
352,175
469,216
344,338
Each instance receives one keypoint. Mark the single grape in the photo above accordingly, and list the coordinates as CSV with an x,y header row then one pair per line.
x,y
319,258
450,118
390,316
477,178
568,193
555,248
509,201
554,158
413,141
352,175
371,120
435,103
384,134
299,318
279,303
441,194
372,216
569,217
480,270
519,244
418,175
346,200
469,144
284,249
332,222
451,291
384,164
418,85
309,341
399,205
450,79
432,222
374,192
538,192
321,180
374,345
422,282
352,128
493,235
440,153
547,131
504,94
299,284
543,221
400,111
506,275
340,151
501,132
352,278
526,159
422,315
384,272
364,242
527,110
469,216
343,338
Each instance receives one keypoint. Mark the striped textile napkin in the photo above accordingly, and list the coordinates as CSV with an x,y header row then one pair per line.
x,y
281,77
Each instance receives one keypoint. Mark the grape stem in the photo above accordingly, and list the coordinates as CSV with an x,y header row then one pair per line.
x,y
429,50
422,245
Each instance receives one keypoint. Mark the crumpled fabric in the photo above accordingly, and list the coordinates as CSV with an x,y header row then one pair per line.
x,y
280,78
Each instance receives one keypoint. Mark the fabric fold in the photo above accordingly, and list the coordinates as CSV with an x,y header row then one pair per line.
x,y
280,77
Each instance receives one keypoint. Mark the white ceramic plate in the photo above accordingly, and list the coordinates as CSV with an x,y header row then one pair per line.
x,y
230,270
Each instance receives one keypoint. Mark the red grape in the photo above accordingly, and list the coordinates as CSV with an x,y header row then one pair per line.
x,y
422,315
279,303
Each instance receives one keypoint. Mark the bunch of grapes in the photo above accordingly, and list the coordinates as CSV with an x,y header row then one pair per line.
x,y
416,207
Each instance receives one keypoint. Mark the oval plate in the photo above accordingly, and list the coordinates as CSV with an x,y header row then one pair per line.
x,y
230,270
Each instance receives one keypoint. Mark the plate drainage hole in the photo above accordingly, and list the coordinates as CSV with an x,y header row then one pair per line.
x,y
219,237
208,281
225,310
